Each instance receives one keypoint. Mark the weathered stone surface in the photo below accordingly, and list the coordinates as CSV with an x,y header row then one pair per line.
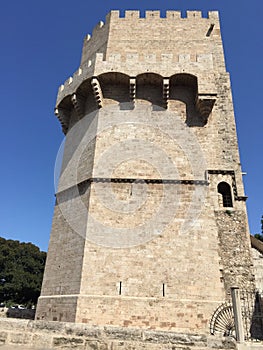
x,y
68,343
217,343
42,340
122,333
70,336
235,250
3,336
175,338
14,324
97,345
257,256
50,327
20,338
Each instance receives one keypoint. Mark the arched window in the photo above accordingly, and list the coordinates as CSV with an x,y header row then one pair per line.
x,y
225,190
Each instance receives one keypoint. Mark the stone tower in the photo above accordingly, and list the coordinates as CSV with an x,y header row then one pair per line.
x,y
150,225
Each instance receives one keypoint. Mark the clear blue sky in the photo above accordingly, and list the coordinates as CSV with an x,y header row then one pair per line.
x,y
41,45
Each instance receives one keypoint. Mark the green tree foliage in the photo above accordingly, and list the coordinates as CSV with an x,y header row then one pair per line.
x,y
260,236
21,272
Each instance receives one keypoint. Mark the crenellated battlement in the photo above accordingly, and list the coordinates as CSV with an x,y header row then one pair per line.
x,y
133,41
149,33
169,14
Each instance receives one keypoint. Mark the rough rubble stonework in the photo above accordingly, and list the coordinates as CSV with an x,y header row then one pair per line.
x,y
140,234
257,255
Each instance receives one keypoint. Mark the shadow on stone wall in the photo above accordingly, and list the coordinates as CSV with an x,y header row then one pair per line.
x,y
256,329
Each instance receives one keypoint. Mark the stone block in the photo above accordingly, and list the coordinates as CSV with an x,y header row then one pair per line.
x,y
96,345
3,336
68,343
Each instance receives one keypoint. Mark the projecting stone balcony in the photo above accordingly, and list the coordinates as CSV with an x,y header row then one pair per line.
x,y
86,95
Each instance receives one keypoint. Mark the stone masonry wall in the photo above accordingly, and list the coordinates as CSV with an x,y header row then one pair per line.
x,y
235,250
133,37
53,335
258,268
131,44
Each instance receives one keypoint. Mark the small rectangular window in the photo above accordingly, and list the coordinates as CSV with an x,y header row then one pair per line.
x,y
163,289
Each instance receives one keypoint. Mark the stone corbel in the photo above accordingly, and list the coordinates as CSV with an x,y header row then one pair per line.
x,y
204,105
63,116
132,89
165,91
78,104
95,84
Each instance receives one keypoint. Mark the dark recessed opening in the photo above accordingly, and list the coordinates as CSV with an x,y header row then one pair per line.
x,y
163,289
225,190
210,30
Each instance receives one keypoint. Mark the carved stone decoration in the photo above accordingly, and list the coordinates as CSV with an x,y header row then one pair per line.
x,y
78,104
63,116
97,92
165,91
132,89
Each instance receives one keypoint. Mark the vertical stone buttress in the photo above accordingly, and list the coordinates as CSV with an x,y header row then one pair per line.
x,y
150,225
